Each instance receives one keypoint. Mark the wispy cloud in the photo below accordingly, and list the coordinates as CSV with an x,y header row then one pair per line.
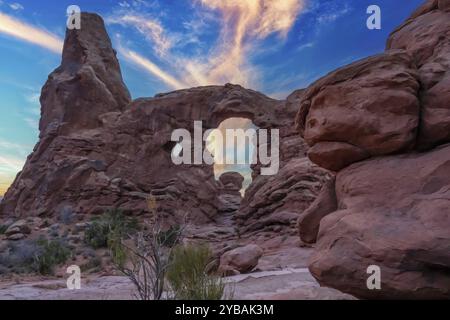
x,y
150,28
10,164
333,13
34,105
304,46
152,68
32,123
29,33
15,147
243,24
12,159
16,6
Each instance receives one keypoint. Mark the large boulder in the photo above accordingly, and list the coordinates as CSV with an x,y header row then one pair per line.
x,y
426,37
231,182
392,212
368,108
390,103
240,260
18,227
390,203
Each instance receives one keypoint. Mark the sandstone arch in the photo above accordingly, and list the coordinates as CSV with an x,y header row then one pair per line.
x,y
98,149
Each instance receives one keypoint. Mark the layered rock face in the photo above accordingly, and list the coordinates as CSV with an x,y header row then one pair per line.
x,y
277,200
383,124
274,202
426,37
369,108
230,196
98,149
392,212
87,84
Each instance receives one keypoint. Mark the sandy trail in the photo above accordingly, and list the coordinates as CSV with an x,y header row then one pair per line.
x,y
288,283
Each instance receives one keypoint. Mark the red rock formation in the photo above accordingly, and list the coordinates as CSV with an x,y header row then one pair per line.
x,y
99,150
309,221
87,84
426,37
390,211
231,182
276,201
368,108
242,259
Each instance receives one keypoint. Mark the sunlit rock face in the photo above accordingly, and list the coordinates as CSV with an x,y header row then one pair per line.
x,y
98,149
383,124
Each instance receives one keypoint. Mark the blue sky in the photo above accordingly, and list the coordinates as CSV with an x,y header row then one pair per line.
x,y
271,46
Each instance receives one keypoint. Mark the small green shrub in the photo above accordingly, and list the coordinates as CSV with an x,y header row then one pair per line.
x,y
96,235
111,226
34,256
50,255
118,252
187,274
18,257
109,231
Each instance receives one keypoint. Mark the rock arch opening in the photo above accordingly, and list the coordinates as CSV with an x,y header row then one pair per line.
x,y
234,137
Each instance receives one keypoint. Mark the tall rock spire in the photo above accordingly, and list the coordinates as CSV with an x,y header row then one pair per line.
x,y
88,82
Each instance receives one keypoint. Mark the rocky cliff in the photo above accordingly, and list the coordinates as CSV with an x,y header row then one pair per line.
x,y
383,124
98,149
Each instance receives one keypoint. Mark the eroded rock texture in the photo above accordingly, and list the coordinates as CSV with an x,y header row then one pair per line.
x,y
98,149
426,37
383,124
275,201
368,108
392,212
87,84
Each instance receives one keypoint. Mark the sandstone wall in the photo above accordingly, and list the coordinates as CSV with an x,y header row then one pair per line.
x,y
384,124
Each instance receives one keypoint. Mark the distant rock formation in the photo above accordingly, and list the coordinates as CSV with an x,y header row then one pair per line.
x,y
231,182
384,124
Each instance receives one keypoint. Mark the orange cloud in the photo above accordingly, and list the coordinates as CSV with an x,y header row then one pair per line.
x,y
4,185
9,166
243,23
